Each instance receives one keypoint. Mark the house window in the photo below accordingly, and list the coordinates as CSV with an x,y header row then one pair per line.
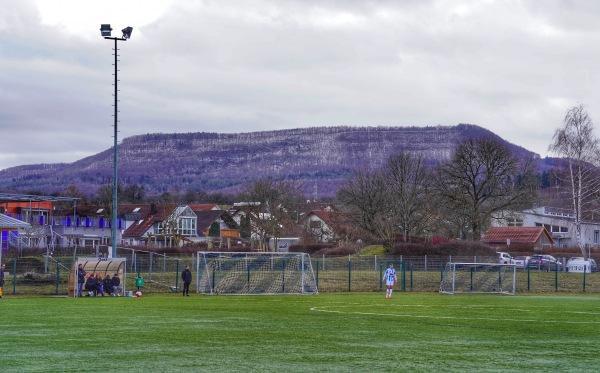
x,y
315,224
39,216
596,237
187,226
512,221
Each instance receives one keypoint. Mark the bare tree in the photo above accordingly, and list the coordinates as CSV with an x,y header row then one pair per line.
x,y
134,193
363,201
272,206
407,179
576,142
484,177
390,201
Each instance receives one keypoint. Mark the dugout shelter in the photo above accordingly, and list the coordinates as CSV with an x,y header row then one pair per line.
x,y
97,266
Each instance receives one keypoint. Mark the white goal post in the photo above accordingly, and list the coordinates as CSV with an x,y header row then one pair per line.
x,y
254,273
479,278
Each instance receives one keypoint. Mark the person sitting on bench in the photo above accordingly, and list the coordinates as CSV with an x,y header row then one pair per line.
x,y
107,285
116,284
90,285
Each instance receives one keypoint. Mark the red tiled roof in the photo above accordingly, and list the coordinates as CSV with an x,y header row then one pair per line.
x,y
323,215
140,227
515,234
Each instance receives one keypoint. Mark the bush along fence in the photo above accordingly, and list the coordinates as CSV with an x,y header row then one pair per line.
x,y
161,273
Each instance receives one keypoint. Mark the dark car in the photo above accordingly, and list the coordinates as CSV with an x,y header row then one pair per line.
x,y
545,262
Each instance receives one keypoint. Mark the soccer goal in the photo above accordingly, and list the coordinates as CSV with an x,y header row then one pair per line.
x,y
255,273
478,278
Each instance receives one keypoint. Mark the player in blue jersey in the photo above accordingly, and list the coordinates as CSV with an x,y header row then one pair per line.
x,y
390,277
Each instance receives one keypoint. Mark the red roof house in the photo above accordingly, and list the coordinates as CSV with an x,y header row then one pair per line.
x,y
533,238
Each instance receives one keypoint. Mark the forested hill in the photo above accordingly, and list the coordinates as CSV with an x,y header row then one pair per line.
x,y
321,156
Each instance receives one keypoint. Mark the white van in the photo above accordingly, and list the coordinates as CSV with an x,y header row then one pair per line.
x,y
578,263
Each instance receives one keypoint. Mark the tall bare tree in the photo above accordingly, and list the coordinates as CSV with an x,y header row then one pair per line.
x,y
391,201
272,206
576,142
407,179
363,201
484,177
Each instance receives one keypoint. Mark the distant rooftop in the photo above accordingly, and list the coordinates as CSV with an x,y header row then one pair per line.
x,y
5,197
6,222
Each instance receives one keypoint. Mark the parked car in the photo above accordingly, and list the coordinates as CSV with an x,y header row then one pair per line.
x,y
521,261
578,264
546,262
504,258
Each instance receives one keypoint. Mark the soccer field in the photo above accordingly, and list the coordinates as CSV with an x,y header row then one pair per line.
x,y
318,333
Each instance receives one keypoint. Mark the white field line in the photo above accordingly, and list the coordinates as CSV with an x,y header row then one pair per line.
x,y
408,315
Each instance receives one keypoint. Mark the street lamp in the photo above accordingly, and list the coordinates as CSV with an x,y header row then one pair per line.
x,y
105,30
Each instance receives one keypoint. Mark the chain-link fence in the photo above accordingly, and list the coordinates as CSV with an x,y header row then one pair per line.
x,y
161,273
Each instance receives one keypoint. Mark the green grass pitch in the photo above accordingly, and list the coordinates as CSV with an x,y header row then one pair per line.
x,y
353,332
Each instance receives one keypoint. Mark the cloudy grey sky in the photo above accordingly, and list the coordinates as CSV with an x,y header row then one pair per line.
x,y
513,67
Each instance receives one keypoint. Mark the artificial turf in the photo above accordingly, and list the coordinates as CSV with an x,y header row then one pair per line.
x,y
342,332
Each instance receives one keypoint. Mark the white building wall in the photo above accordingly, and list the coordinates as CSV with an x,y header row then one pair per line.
x,y
554,219
324,233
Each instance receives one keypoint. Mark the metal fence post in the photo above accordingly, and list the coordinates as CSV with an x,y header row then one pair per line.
x,y
584,270
380,276
411,276
15,276
150,267
403,266
58,276
177,275
349,271
555,278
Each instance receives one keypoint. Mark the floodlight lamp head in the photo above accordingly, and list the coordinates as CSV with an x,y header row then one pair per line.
x,y
127,32
105,29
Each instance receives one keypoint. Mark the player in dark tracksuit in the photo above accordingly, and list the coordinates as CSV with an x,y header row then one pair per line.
x,y
80,279
186,277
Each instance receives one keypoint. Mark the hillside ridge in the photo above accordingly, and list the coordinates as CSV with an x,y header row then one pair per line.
x,y
321,156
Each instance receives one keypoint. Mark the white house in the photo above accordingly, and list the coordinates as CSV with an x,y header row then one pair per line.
x,y
318,224
558,222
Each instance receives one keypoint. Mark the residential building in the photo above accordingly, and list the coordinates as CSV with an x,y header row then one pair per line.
x,y
168,225
558,222
317,224
519,238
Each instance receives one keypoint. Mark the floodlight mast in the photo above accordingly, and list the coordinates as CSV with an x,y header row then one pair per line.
x,y
105,31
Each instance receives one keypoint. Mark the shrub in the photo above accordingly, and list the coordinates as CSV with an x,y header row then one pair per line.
x,y
309,249
341,250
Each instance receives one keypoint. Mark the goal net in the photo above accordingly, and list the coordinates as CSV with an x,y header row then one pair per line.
x,y
255,273
478,278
